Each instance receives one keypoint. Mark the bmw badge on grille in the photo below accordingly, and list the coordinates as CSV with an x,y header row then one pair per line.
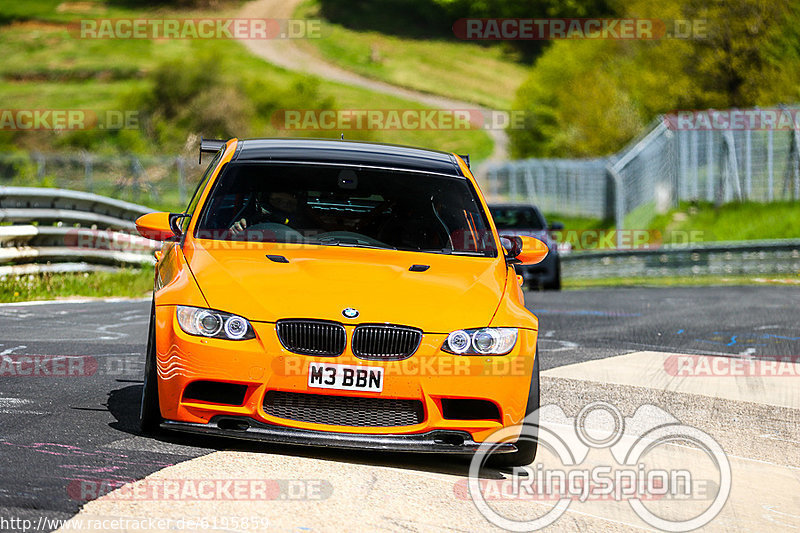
x,y
350,312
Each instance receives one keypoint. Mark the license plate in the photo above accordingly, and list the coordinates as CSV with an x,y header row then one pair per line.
x,y
345,377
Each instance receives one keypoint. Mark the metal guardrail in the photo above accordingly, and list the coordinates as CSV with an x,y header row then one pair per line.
x,y
714,258
78,231
59,230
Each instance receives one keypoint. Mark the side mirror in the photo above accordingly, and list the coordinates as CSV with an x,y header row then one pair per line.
x,y
556,226
526,250
159,226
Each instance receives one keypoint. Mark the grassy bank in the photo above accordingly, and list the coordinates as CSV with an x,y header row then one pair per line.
x,y
129,283
179,87
732,222
451,68
703,222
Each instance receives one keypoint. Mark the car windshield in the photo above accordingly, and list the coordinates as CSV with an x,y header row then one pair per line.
x,y
517,218
341,206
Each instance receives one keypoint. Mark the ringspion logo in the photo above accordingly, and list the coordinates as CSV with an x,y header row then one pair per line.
x,y
601,455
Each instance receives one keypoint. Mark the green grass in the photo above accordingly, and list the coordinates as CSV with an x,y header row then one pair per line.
x,y
45,66
732,222
679,281
128,282
705,222
485,75
579,223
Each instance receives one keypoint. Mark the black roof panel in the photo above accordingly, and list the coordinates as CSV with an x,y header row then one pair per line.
x,y
348,152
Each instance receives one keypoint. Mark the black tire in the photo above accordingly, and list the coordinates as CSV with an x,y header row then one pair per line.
x,y
555,285
150,409
526,448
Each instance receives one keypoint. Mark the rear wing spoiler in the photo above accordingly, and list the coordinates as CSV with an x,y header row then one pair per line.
x,y
465,158
209,146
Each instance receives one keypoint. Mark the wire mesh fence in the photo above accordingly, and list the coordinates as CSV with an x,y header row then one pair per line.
x,y
164,181
713,156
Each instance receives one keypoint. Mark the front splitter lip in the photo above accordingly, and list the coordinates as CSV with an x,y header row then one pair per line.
x,y
435,441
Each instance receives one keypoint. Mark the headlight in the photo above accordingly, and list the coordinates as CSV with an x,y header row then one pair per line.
x,y
483,341
210,323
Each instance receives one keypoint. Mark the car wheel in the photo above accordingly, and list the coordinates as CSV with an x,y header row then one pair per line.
x,y
526,449
150,410
555,285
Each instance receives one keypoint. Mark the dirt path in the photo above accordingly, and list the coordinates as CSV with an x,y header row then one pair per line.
x,y
289,54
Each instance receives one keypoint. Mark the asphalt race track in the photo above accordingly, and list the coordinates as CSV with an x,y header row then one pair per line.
x,y
75,418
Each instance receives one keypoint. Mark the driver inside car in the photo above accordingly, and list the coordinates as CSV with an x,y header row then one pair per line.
x,y
274,207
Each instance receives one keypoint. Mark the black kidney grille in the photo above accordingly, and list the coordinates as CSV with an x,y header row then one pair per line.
x,y
343,410
312,337
385,342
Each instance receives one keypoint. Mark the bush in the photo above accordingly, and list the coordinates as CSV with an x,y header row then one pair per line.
x,y
203,96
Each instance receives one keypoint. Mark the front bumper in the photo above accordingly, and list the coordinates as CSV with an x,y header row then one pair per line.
x,y
262,365
438,441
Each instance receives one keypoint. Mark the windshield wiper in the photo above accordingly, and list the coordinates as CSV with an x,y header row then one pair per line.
x,y
352,244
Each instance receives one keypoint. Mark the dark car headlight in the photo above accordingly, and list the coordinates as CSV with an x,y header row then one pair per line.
x,y
214,324
481,341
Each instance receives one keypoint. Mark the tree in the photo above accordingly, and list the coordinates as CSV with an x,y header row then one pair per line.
x,y
589,97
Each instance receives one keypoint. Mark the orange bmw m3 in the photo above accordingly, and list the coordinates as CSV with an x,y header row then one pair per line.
x,y
336,293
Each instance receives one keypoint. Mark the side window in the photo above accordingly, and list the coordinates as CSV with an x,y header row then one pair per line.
x,y
200,186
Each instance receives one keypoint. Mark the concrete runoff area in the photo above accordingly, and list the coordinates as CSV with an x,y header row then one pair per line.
x,y
374,492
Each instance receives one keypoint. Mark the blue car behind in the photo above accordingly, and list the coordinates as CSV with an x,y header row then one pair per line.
x,y
516,219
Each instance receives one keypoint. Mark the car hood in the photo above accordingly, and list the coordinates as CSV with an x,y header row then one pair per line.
x,y
319,282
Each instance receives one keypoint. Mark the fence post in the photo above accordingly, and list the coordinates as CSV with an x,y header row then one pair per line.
x,y
543,189
513,183
695,164
87,172
41,163
495,171
770,174
748,164
732,174
683,158
619,203
530,187
710,166
796,159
